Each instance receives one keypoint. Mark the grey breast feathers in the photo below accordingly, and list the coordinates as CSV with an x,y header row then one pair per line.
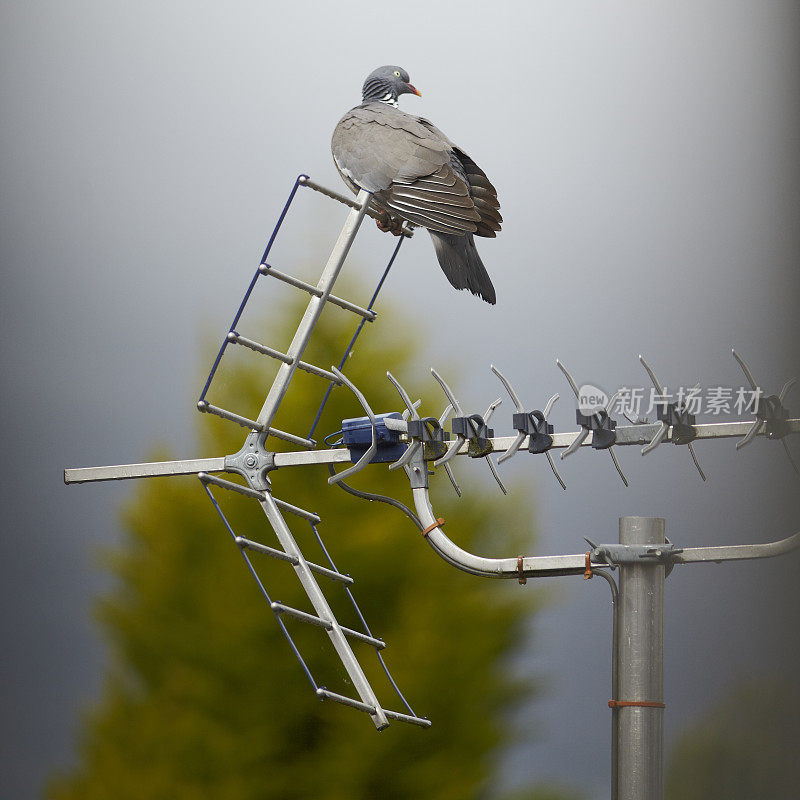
x,y
414,171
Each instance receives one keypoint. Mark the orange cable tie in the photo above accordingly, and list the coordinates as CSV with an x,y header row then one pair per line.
x,y
587,572
636,704
522,579
438,524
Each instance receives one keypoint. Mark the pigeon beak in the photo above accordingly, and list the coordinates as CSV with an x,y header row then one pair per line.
x,y
414,90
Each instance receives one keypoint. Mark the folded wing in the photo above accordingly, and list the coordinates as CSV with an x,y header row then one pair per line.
x,y
414,171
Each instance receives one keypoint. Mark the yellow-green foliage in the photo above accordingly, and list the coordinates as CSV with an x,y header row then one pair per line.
x,y
204,698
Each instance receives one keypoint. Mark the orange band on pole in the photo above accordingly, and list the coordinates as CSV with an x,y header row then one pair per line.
x,y
438,524
522,579
636,704
587,572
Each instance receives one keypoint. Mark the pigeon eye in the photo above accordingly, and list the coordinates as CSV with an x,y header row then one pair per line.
x,y
397,74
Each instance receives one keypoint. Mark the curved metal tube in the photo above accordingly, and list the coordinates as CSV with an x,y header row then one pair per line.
x,y
532,566
543,566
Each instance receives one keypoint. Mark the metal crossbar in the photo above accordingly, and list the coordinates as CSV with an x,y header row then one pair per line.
x,y
257,347
281,556
280,608
266,269
207,408
407,229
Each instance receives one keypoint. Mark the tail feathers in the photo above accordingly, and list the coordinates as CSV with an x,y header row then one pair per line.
x,y
461,264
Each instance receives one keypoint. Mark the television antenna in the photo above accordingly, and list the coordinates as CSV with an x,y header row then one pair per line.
x,y
418,445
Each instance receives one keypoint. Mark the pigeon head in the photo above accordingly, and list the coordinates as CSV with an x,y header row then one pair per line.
x,y
386,84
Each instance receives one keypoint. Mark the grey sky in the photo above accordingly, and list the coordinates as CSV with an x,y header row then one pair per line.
x,y
647,163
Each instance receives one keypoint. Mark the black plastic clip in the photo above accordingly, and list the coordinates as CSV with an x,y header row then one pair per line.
x,y
774,414
477,434
537,428
681,421
432,435
603,428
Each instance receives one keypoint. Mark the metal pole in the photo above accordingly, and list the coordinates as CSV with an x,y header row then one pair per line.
x,y
614,682
640,660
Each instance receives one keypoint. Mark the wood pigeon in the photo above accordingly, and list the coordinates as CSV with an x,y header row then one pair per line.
x,y
415,173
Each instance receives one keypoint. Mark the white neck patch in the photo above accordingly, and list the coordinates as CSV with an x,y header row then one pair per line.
x,y
389,99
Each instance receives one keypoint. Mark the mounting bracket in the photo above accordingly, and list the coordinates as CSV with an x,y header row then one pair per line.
x,y
253,461
614,554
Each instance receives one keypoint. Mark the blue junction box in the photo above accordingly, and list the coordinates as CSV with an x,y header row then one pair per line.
x,y
357,437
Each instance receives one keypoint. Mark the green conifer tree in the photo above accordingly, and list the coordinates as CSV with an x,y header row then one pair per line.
x,y
203,697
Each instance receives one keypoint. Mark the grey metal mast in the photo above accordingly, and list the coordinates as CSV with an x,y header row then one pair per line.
x,y
639,705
